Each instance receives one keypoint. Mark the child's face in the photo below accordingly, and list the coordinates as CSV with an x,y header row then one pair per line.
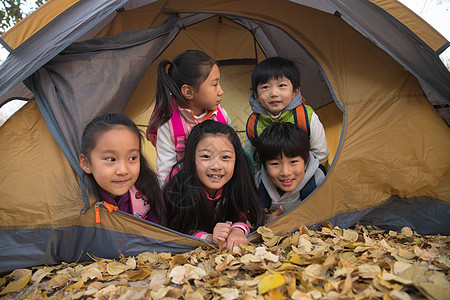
x,y
114,161
208,95
214,160
276,94
286,172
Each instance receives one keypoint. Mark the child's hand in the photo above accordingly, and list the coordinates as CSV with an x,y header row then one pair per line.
x,y
221,232
275,214
235,238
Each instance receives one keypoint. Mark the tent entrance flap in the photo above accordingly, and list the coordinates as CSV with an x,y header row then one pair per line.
x,y
373,96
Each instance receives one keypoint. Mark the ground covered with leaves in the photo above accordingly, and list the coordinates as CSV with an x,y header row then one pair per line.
x,y
328,263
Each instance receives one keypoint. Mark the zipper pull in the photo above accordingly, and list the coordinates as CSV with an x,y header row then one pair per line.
x,y
97,211
110,207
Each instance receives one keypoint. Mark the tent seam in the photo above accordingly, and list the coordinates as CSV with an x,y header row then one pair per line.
x,y
390,53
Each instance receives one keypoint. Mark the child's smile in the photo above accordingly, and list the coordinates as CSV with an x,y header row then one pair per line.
x,y
215,177
114,161
214,161
286,173
287,182
276,94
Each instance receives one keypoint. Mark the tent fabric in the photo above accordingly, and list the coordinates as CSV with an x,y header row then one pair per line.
x,y
390,162
399,45
50,39
35,22
75,25
424,215
41,203
417,25
67,96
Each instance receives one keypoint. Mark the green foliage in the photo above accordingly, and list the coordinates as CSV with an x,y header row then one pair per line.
x,y
12,11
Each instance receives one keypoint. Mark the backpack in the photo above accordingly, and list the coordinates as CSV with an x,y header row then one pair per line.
x,y
177,133
301,117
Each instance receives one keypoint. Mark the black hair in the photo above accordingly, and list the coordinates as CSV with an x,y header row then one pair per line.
x,y
189,209
147,182
190,67
274,68
282,139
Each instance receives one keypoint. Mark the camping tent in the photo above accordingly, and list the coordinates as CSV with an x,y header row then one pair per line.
x,y
370,69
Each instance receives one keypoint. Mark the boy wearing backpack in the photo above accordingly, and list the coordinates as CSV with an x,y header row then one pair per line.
x,y
276,97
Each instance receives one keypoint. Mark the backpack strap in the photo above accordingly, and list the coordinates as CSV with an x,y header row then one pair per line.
x,y
220,116
304,101
178,134
264,196
301,118
139,208
250,128
309,187
151,135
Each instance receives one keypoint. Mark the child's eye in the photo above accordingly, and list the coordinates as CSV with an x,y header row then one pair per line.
x,y
282,85
110,159
294,161
274,163
226,157
133,158
205,156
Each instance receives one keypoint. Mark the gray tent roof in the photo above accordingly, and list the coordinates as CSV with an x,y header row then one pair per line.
x,y
83,20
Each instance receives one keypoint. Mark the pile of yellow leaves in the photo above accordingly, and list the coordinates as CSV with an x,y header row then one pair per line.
x,y
329,263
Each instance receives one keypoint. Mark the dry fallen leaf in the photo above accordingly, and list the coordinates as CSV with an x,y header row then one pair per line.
x,y
91,273
177,274
362,262
435,291
115,268
269,282
350,235
405,254
406,231
41,273
263,254
75,287
58,281
400,267
140,274
157,279
20,277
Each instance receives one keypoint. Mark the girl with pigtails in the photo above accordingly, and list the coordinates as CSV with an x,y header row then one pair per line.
x,y
188,92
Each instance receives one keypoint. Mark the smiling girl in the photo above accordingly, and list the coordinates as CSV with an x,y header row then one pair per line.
x,y
118,173
214,194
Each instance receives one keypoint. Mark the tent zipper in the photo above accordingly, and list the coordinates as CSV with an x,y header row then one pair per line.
x,y
107,205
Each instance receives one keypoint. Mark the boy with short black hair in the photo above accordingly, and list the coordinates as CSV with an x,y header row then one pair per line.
x,y
289,170
276,97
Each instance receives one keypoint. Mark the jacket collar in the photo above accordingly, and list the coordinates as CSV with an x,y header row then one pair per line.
x,y
294,195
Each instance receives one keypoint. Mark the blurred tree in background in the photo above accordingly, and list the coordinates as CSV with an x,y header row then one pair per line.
x,y
12,11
